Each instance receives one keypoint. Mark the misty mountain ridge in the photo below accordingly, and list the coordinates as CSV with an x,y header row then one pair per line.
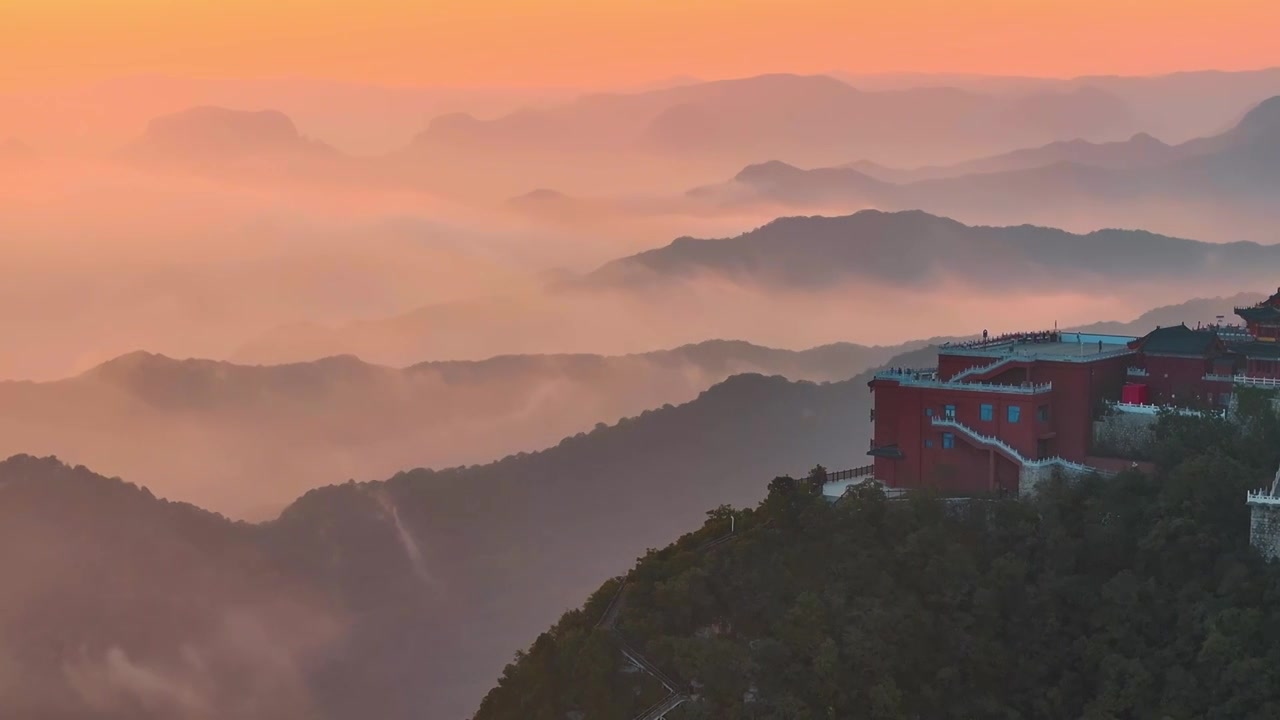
x,y
393,599
1175,106
402,598
809,116
1193,313
803,275
804,121
212,131
245,439
15,149
915,248
1219,187
239,144
1141,150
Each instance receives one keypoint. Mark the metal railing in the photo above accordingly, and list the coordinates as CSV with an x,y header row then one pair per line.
x,y
939,421
659,711
1061,462
1023,389
1262,497
863,471
1150,409
1250,381
1012,453
1031,336
1088,357
983,369
915,373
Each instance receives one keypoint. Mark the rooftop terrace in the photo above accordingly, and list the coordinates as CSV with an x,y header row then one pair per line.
x,y
1045,345
929,378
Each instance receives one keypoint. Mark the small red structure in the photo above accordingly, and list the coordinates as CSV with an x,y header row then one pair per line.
x,y
1135,394
995,406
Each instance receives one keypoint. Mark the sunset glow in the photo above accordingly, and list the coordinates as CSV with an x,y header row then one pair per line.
x,y
588,42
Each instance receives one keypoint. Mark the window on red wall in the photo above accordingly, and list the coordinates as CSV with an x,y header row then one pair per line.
x,y
1042,413
1014,413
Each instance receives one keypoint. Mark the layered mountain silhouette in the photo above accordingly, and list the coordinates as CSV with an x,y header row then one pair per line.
x,y
1218,187
395,599
800,117
917,249
1140,151
803,120
119,605
804,273
15,153
244,440
1199,311
1177,106
221,141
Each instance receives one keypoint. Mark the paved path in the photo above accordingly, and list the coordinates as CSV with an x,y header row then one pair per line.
x,y
608,622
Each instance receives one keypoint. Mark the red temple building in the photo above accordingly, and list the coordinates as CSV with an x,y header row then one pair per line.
x,y
996,408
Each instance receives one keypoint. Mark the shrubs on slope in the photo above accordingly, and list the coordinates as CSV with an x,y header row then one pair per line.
x,y
1131,597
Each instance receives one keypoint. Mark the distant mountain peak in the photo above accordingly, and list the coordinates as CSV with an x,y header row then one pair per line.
x,y
766,171
138,359
259,125
222,133
13,150
1143,138
13,146
540,195
1263,119
451,123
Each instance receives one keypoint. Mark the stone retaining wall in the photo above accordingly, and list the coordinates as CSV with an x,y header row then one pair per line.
x,y
1264,529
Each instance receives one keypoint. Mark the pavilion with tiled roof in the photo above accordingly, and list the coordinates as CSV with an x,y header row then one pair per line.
x,y
1263,319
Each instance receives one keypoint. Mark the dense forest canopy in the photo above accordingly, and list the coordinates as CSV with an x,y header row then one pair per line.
x,y
1136,596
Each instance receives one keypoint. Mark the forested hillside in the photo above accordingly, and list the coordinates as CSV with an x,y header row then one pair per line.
x,y
1133,597
246,440
394,599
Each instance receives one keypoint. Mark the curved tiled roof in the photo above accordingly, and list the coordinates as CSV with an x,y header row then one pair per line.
x,y
1178,340
1264,350
1259,312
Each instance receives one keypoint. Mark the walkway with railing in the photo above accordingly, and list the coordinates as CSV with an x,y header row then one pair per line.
x,y
908,373
1149,409
1247,380
1011,453
1033,336
931,381
985,369
679,693
659,711
676,691
864,471
1005,449
1262,497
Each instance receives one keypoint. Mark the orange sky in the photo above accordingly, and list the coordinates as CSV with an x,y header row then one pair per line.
x,y
600,42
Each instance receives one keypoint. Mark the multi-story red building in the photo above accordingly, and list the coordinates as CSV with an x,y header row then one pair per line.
x,y
993,408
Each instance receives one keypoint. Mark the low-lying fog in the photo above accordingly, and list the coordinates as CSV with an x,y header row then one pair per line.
x,y
101,261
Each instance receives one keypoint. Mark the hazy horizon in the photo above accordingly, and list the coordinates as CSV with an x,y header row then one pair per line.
x,y
372,336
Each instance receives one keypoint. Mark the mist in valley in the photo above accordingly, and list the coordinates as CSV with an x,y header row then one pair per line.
x,y
398,329
354,385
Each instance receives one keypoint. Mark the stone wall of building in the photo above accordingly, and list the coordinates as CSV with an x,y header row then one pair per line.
x,y
1264,528
1031,478
1125,435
